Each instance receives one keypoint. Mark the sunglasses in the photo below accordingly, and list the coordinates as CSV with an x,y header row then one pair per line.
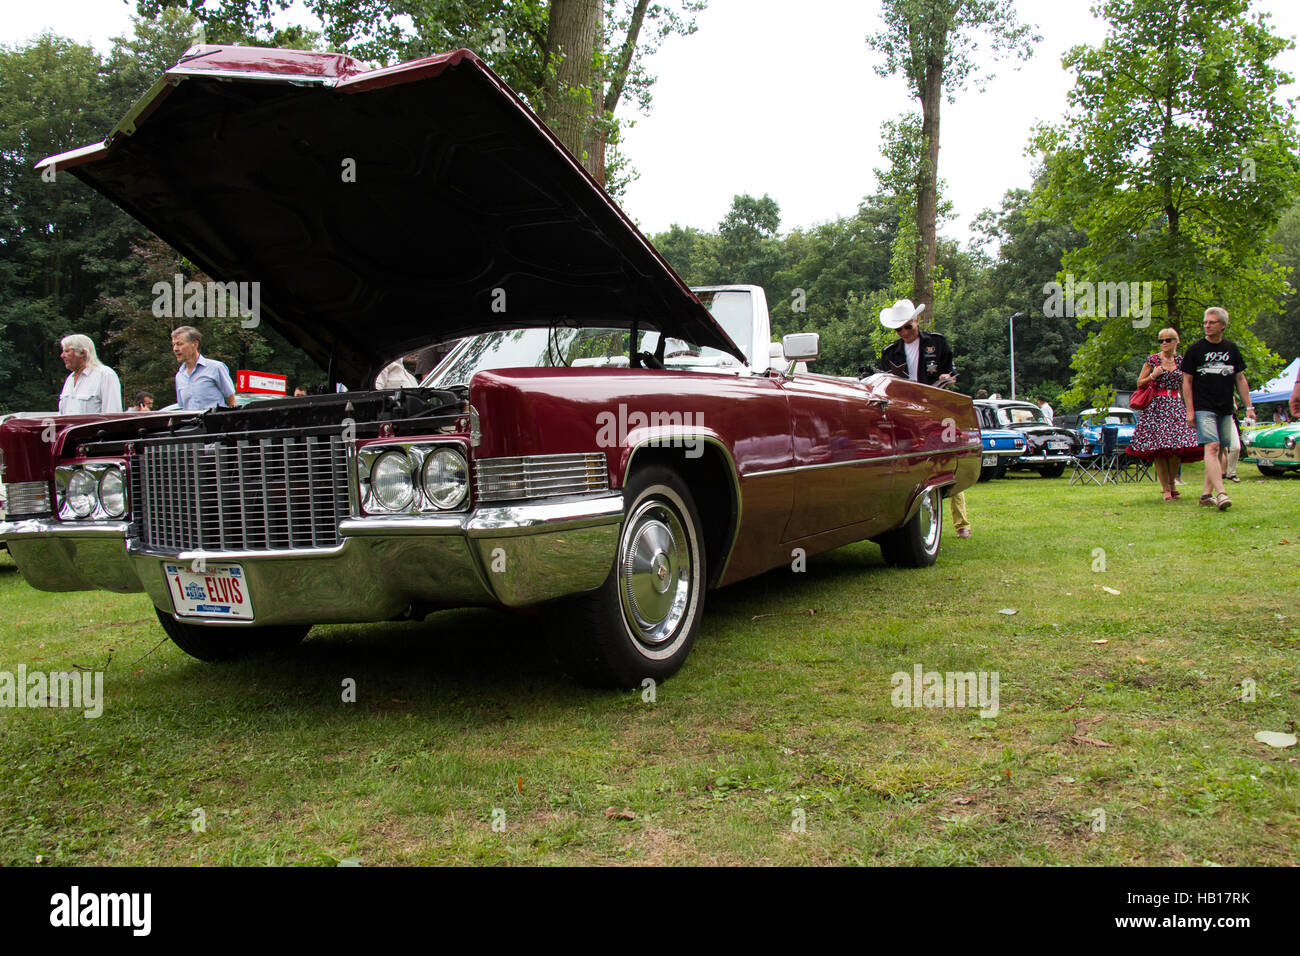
x,y
1168,340
909,325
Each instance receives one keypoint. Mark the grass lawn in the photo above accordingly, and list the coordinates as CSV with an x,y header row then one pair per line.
x,y
1121,736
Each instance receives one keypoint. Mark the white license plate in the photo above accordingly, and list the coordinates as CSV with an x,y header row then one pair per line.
x,y
219,591
1058,445
988,460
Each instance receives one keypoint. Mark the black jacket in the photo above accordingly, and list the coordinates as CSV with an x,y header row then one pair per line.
x,y
935,359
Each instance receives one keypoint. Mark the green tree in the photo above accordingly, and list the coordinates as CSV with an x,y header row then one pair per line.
x,y
1177,161
1280,331
932,45
574,61
1026,254
748,249
59,242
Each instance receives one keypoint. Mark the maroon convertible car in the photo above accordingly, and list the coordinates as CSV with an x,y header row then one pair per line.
x,y
603,441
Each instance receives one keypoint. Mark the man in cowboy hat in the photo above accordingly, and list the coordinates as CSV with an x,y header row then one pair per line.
x,y
923,357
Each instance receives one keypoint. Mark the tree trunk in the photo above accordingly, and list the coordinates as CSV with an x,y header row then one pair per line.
x,y
927,198
593,140
571,38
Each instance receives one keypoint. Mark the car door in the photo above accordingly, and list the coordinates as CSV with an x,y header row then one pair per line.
x,y
842,442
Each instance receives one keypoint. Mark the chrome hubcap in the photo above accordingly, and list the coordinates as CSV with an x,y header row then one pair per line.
x,y
930,521
654,573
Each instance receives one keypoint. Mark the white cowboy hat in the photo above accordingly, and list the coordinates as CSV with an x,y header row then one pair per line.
x,y
900,313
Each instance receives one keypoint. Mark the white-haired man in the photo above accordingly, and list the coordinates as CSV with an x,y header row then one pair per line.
x,y
91,385
1213,369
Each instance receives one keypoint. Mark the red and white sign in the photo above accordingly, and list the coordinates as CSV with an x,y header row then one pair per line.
x,y
262,383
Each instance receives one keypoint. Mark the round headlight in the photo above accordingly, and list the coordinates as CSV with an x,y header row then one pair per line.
x,y
1289,442
81,493
390,481
445,478
112,493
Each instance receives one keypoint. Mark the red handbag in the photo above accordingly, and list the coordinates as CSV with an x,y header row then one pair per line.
x,y
1144,396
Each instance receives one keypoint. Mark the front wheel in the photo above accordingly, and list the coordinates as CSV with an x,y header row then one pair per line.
x,y
916,544
227,643
1271,471
643,620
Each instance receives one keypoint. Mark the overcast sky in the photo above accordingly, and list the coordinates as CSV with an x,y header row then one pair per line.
x,y
779,97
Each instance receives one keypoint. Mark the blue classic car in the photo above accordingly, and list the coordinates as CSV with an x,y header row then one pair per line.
x,y
1001,445
1091,420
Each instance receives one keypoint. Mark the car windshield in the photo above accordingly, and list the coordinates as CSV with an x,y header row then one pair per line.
x,y
595,347
1019,415
1111,418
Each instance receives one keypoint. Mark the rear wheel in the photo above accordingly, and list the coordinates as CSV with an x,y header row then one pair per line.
x,y
228,643
988,472
916,544
643,620
1053,471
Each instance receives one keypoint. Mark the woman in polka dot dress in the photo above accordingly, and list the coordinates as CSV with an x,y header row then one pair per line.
x,y
1162,432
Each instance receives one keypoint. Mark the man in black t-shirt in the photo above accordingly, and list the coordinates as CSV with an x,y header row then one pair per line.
x,y
1212,369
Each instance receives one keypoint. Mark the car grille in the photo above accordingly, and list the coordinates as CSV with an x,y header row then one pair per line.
x,y
540,476
28,498
262,495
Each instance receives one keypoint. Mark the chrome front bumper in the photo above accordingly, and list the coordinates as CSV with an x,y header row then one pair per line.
x,y
1055,458
514,556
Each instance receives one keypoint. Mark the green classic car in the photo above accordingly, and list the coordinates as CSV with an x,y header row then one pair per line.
x,y
1272,448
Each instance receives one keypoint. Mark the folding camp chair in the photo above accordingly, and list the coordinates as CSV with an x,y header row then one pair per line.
x,y
1134,469
1102,463
1087,465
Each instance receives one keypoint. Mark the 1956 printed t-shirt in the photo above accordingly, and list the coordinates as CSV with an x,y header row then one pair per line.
x,y
1213,367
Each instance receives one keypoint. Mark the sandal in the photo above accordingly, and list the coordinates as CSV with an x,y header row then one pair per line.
x,y
1222,501
1168,496
1207,500
1234,478
1176,494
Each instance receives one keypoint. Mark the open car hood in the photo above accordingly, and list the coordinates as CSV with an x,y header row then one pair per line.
x,y
381,210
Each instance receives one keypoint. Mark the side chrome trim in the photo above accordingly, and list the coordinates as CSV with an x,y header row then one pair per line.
x,y
865,461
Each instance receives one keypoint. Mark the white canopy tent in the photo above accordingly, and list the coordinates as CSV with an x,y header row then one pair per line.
x,y
1279,389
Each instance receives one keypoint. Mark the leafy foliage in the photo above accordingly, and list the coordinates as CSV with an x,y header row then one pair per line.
x,y
70,261
515,37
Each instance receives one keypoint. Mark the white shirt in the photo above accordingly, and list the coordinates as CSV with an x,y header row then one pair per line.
x,y
94,390
395,375
1047,412
913,351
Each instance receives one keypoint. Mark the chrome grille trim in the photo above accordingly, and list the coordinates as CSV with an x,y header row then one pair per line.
x,y
268,494
28,498
540,476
